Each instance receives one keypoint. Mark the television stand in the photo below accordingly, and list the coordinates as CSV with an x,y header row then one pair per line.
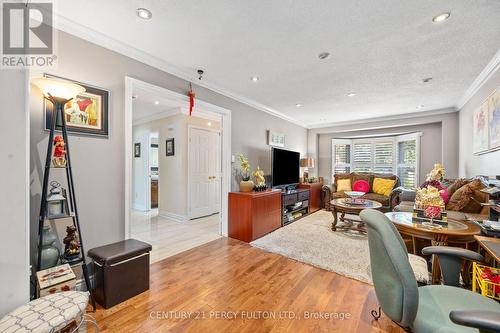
x,y
294,205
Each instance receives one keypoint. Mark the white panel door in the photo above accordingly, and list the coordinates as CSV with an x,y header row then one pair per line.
x,y
204,172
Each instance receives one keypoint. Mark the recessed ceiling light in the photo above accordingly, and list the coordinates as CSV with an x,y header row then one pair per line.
x,y
351,94
209,123
323,55
427,80
254,78
144,13
156,102
441,17
298,105
421,106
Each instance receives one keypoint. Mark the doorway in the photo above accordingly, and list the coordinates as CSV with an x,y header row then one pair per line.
x,y
188,166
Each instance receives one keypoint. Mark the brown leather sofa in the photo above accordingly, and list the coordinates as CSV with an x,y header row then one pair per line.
x,y
474,198
388,202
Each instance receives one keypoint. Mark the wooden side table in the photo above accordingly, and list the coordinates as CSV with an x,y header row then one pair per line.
x,y
491,247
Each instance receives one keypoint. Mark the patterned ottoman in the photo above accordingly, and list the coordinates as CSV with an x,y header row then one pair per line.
x,y
48,314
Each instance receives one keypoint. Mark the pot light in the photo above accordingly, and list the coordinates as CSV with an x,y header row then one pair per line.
x,y
351,94
441,17
144,13
254,78
209,123
157,102
323,55
298,105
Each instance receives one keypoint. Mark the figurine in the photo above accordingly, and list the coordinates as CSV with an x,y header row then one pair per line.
x,y
59,159
71,242
259,177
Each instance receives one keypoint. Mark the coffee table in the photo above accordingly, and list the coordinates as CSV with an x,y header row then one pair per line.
x,y
343,207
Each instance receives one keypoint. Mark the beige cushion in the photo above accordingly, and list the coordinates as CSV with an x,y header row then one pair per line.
x,y
419,266
46,314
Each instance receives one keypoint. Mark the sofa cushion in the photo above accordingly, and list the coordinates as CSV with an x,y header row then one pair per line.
x,y
338,195
461,198
454,186
383,199
344,185
383,186
361,185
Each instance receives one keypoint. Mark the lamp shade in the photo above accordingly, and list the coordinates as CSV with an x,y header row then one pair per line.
x,y
307,162
57,88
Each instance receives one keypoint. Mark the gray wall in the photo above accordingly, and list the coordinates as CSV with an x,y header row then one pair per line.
x,y
430,146
439,143
472,165
99,163
14,277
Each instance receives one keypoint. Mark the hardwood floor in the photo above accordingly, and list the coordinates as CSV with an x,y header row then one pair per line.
x,y
229,286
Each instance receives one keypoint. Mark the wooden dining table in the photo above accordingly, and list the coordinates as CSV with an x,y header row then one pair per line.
x,y
458,232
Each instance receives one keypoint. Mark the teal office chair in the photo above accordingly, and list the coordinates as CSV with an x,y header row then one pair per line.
x,y
427,309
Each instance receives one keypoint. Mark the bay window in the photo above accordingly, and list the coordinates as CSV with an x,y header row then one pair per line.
x,y
385,155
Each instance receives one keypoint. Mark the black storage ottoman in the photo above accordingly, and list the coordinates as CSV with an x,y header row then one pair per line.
x,y
121,271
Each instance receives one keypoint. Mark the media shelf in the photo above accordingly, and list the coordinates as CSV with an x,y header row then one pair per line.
x,y
294,205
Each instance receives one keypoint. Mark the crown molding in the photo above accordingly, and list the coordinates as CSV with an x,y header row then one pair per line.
x,y
480,80
74,28
411,115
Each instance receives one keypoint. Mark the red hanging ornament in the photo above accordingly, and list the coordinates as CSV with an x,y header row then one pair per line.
x,y
191,95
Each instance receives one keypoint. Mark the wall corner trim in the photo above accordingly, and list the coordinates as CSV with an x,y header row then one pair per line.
x,y
490,69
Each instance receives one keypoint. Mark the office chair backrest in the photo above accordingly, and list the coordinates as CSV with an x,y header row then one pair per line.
x,y
393,277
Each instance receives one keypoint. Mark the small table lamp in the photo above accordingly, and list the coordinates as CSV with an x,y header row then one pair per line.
x,y
306,163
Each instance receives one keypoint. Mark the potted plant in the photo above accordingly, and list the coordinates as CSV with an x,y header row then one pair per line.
x,y
246,185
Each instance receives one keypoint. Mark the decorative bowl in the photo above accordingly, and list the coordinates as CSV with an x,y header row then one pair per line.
x,y
354,194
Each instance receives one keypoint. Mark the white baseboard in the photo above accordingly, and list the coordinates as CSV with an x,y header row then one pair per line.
x,y
173,216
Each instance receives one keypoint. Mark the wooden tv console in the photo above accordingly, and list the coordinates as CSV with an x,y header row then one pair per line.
x,y
252,215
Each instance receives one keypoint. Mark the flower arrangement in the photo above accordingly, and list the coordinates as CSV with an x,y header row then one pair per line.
x,y
428,196
437,173
244,167
434,179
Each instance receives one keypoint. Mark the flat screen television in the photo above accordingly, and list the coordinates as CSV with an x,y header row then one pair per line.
x,y
285,165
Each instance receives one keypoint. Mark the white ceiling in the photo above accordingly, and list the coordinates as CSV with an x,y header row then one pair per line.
x,y
381,50
144,107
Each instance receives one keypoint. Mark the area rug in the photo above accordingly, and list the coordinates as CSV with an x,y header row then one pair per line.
x,y
310,240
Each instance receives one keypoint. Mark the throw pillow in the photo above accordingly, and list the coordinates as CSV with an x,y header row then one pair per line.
x,y
344,185
461,199
383,186
456,185
361,186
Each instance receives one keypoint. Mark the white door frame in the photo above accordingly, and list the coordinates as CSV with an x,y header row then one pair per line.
x,y
190,128
130,84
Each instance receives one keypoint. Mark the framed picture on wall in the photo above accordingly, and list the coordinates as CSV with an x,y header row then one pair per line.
x,y
137,149
170,147
275,139
87,113
486,125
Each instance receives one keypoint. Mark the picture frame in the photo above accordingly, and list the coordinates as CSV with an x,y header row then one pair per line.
x,y
86,114
137,149
486,125
170,147
275,139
